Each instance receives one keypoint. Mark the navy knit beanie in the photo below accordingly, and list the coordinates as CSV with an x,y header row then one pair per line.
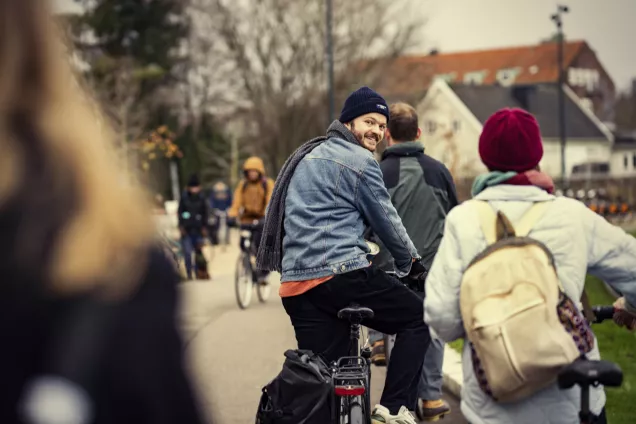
x,y
363,101
194,181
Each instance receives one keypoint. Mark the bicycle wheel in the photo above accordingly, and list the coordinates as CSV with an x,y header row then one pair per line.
x,y
356,411
263,291
243,281
367,398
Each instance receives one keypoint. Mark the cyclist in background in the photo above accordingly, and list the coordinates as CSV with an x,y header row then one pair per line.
x,y
220,202
423,192
251,197
193,220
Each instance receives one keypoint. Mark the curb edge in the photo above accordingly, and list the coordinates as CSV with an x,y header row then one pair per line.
x,y
452,372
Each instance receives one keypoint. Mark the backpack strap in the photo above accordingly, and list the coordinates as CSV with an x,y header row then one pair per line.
x,y
265,192
488,220
588,312
530,218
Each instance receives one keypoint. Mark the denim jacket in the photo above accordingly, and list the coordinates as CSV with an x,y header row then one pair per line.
x,y
337,191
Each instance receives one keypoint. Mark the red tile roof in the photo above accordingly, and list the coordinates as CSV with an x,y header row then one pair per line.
x,y
536,63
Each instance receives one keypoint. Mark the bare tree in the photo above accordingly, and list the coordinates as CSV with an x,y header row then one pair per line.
x,y
116,84
268,61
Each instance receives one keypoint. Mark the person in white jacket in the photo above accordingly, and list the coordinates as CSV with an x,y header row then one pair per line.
x,y
581,241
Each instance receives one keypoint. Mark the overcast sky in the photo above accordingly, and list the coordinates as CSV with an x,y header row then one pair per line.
x,y
458,25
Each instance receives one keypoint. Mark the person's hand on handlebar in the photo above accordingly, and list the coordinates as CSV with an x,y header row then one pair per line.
x,y
622,316
231,222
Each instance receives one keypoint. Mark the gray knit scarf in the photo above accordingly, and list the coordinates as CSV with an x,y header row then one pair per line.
x,y
270,252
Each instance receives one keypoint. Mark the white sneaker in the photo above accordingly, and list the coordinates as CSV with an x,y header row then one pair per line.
x,y
381,415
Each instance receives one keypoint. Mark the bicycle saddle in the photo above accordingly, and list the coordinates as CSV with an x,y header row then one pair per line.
x,y
590,373
355,313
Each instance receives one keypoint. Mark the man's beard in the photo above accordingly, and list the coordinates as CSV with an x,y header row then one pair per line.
x,y
360,137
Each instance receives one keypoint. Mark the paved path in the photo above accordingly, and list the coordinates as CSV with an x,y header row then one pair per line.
x,y
233,353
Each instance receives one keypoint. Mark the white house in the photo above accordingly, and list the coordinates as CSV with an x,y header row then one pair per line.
x,y
623,161
452,117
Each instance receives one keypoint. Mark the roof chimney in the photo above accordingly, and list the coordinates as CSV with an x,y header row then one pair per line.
x,y
433,52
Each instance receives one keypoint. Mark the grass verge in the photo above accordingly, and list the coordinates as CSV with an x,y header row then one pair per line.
x,y
617,345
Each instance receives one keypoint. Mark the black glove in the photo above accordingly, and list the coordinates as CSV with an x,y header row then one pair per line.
x,y
231,222
418,271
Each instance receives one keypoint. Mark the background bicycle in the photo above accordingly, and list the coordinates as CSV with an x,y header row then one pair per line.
x,y
246,275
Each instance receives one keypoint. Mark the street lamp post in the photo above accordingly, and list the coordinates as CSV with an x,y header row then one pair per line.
x,y
557,18
330,59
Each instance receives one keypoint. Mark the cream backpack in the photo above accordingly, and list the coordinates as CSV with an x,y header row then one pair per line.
x,y
522,327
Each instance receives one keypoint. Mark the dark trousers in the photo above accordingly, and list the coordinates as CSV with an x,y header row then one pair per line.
x,y
191,243
397,309
257,234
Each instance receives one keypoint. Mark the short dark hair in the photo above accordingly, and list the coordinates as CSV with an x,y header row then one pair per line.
x,y
403,123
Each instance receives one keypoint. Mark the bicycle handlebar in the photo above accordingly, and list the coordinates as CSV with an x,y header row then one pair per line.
x,y
256,224
602,313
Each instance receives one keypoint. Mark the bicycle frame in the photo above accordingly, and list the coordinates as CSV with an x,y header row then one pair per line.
x,y
601,313
248,248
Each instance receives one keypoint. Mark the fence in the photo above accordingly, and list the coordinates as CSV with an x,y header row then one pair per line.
x,y
615,188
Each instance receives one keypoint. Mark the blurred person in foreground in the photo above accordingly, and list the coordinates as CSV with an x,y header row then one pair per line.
x,y
87,302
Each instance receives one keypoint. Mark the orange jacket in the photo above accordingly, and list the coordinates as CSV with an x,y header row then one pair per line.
x,y
251,198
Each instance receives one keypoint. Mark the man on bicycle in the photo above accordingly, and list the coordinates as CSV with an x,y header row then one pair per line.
x,y
326,195
251,198
423,192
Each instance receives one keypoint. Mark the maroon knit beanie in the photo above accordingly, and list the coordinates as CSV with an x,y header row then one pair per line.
x,y
511,141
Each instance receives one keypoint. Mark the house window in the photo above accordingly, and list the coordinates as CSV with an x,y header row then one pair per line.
x,y
474,77
507,76
430,127
588,78
456,125
625,161
449,77
633,161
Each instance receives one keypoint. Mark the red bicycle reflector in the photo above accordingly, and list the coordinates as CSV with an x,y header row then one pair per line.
x,y
350,390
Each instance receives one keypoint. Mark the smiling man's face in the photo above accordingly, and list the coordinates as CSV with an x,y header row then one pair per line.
x,y
368,129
